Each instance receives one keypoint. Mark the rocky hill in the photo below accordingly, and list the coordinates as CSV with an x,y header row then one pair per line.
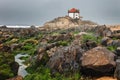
x,y
67,22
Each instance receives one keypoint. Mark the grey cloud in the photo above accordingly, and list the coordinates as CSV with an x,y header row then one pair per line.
x,y
28,12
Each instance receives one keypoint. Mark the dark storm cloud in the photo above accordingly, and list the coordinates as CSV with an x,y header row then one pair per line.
x,y
28,12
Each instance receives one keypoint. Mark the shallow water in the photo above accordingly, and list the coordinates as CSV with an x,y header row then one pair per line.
x,y
21,71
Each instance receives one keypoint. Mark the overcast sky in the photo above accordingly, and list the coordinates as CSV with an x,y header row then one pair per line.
x,y
37,12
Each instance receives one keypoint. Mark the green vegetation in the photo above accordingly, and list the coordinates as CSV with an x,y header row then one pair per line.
x,y
26,49
26,44
44,73
11,41
47,76
55,33
112,48
76,32
40,74
90,37
29,46
6,59
63,43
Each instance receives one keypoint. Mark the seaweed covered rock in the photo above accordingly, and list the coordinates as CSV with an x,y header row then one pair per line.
x,y
99,59
8,67
14,67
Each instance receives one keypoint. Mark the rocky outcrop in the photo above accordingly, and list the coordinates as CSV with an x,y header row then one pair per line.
x,y
116,36
105,40
61,23
118,51
65,23
114,28
55,38
66,59
88,45
99,59
115,43
110,42
102,30
42,50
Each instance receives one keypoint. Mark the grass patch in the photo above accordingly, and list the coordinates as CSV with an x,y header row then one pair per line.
x,y
112,48
44,73
90,37
76,32
63,43
27,48
6,59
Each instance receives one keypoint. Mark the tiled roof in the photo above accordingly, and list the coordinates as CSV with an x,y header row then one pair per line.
x,y
73,10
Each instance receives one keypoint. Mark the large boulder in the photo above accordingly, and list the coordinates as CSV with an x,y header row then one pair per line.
x,y
118,51
66,59
117,36
98,59
106,78
117,70
105,41
102,30
116,43
43,53
89,45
